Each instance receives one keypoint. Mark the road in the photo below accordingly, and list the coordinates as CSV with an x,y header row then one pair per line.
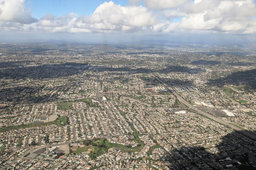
x,y
205,114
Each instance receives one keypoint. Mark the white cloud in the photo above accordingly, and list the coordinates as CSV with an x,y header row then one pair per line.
x,y
218,15
14,11
109,16
234,16
163,4
134,2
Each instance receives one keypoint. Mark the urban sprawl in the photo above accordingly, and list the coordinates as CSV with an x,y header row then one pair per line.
x,y
77,106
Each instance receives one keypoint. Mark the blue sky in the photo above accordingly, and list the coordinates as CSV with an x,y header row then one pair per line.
x,y
36,18
40,8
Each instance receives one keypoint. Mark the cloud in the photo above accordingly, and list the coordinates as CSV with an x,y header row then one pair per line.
x,y
14,11
50,23
163,4
134,2
235,16
109,16
230,16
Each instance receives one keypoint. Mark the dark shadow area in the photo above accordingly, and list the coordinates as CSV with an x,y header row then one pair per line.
x,y
247,78
177,82
17,71
11,64
241,64
205,62
169,82
169,69
181,69
235,151
145,52
120,69
44,71
27,95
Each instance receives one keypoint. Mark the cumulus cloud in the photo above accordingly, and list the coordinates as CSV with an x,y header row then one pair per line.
x,y
233,16
134,2
14,11
238,16
163,4
110,16
52,23
107,17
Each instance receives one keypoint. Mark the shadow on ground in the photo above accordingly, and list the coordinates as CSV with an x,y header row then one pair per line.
x,y
247,78
13,70
25,94
168,81
205,62
44,71
235,151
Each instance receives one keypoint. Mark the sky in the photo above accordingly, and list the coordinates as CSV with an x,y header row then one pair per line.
x,y
40,8
35,18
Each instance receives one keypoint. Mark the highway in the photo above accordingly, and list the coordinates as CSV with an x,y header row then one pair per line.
x,y
205,114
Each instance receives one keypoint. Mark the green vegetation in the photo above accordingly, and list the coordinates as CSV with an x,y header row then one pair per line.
x,y
139,97
164,93
119,87
47,138
82,91
250,113
95,167
68,131
178,104
242,101
152,148
153,102
61,121
144,75
80,150
100,146
124,80
64,105
8,117
2,148
88,102
20,141
122,113
68,105
229,92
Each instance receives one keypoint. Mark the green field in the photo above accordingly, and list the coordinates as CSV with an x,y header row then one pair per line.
x,y
8,117
229,92
80,150
100,146
64,105
20,141
88,102
153,148
242,101
2,149
61,121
